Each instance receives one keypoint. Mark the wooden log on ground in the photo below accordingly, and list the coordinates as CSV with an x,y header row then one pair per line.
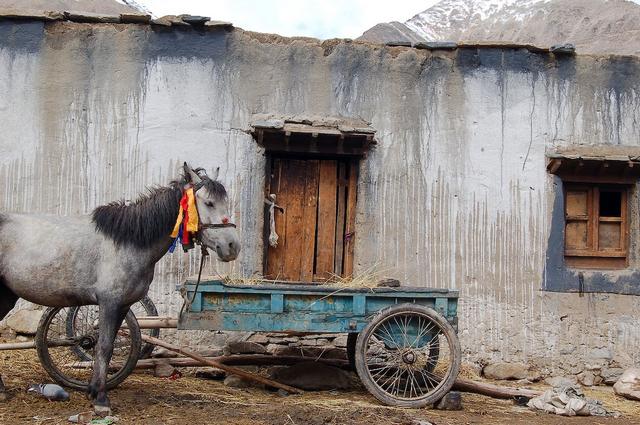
x,y
491,390
17,345
152,322
236,360
229,369
240,360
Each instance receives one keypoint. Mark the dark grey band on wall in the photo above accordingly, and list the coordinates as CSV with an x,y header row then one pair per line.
x,y
560,278
25,38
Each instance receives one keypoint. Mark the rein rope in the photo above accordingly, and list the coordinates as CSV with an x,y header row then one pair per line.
x,y
183,290
204,252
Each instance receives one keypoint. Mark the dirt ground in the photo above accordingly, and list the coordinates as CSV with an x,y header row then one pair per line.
x,y
145,399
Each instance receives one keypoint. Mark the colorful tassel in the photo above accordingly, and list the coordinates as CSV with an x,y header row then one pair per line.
x,y
187,221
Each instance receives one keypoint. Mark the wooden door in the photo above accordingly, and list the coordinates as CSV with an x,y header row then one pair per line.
x,y
315,230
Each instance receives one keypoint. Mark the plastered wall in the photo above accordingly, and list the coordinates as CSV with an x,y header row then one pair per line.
x,y
455,194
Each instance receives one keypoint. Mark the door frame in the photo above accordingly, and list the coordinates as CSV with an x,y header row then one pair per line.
x,y
352,176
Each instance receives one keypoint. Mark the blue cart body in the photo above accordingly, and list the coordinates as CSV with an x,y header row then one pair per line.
x,y
277,307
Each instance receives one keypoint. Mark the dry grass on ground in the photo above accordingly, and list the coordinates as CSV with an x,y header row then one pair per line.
x,y
144,399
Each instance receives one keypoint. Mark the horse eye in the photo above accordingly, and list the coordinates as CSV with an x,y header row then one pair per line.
x,y
209,203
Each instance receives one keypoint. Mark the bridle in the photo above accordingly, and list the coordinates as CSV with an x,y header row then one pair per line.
x,y
203,247
201,227
214,226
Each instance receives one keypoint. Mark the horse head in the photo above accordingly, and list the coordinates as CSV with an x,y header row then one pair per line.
x,y
216,231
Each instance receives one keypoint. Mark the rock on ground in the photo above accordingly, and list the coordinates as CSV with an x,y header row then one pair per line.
x,y
259,338
451,401
244,347
588,379
164,370
25,321
628,385
211,352
340,341
314,376
611,374
506,371
235,381
561,381
211,373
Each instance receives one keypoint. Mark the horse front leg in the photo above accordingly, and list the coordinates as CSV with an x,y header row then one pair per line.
x,y
111,316
7,301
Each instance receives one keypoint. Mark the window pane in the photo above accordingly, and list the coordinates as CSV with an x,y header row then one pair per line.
x,y
576,235
609,235
576,203
610,204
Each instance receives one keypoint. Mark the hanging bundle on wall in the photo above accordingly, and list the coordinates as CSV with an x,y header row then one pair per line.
x,y
273,236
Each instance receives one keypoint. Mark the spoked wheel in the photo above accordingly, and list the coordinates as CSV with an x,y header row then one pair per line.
x,y
408,356
58,350
81,315
143,308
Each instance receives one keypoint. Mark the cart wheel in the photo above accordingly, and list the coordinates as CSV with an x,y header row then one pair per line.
x,y
58,351
351,349
146,307
81,315
408,356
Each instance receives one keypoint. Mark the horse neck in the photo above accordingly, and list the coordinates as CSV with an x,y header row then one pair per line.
x,y
159,249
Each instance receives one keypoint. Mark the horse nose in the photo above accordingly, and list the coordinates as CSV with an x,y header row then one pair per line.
x,y
234,248
229,251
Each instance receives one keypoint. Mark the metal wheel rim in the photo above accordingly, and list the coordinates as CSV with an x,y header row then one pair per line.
x,y
414,365
63,361
75,315
142,308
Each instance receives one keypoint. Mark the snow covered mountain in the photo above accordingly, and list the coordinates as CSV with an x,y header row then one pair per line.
x,y
594,26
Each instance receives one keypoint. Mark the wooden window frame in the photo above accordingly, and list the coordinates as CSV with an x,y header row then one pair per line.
x,y
593,256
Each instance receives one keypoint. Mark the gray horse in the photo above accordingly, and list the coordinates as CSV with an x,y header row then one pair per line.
x,y
107,258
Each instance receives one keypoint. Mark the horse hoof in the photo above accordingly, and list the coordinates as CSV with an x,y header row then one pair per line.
x,y
102,410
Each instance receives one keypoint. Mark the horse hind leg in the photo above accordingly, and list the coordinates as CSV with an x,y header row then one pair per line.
x,y
7,301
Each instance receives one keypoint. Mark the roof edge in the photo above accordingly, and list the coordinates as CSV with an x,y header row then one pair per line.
x,y
203,22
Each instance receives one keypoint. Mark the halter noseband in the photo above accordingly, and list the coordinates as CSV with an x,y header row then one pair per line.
x,y
215,226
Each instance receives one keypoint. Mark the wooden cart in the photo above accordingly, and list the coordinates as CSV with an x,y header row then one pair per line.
x,y
401,341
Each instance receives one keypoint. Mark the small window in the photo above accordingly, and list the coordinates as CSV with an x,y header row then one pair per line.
x,y
596,226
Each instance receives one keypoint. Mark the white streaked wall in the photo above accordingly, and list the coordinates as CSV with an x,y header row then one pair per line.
x,y
455,195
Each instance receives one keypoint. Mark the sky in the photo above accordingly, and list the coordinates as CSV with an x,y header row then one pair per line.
x,y
321,19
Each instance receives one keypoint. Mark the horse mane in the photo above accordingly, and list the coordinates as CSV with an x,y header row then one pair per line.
x,y
143,222
149,218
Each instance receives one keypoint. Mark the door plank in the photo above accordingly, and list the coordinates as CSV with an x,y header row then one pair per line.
x,y
340,216
325,244
350,218
309,220
275,256
269,164
295,187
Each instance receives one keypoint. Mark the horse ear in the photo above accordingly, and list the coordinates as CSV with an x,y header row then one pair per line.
x,y
195,178
216,173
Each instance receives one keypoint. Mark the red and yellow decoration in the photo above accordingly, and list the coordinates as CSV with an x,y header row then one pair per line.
x,y
187,221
